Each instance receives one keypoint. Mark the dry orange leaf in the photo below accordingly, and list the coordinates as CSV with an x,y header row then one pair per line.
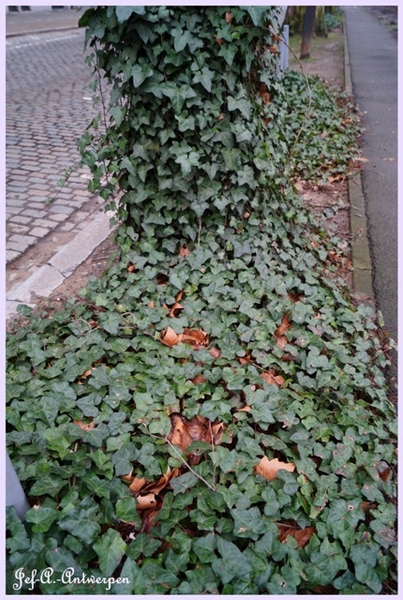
x,y
335,178
215,352
199,379
284,326
180,435
269,468
281,342
137,484
301,535
175,309
195,337
85,426
184,251
383,470
228,17
169,337
131,268
147,501
272,378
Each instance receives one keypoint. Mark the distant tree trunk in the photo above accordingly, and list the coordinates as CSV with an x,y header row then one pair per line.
x,y
308,29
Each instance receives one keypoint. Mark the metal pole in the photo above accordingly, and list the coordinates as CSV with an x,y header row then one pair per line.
x,y
14,493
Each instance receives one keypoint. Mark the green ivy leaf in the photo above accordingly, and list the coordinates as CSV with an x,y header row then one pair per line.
x,y
182,483
233,563
41,517
110,550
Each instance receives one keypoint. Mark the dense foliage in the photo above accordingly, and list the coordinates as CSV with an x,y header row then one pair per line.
x,y
212,416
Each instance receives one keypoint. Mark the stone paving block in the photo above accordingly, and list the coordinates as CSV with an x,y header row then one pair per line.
x,y
42,282
39,232
29,212
58,217
47,223
60,209
19,219
16,228
22,239
37,201
38,188
18,186
16,246
14,202
11,255
14,210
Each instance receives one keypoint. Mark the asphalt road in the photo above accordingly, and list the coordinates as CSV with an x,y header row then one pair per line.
x,y
373,61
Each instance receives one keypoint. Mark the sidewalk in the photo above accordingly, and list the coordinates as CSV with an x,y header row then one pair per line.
x,y
372,53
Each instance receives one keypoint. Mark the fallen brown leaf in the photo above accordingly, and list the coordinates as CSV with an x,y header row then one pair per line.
x,y
86,374
228,17
215,352
169,337
301,535
184,251
281,341
85,426
146,501
269,468
272,378
137,484
175,310
199,379
194,337
383,470
284,326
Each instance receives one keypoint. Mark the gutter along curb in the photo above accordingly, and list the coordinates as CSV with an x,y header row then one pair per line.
x,y
361,258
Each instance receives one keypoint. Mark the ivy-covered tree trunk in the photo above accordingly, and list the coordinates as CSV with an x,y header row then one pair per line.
x,y
185,129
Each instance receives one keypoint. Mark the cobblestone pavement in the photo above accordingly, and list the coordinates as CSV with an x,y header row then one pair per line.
x,y
48,106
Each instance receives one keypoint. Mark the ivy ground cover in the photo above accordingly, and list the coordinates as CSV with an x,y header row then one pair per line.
x,y
212,416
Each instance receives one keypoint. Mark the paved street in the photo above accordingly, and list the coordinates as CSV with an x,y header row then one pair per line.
x,y
48,106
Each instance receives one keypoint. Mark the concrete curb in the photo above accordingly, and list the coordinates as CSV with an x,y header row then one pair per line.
x,y
361,258
40,31
61,265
